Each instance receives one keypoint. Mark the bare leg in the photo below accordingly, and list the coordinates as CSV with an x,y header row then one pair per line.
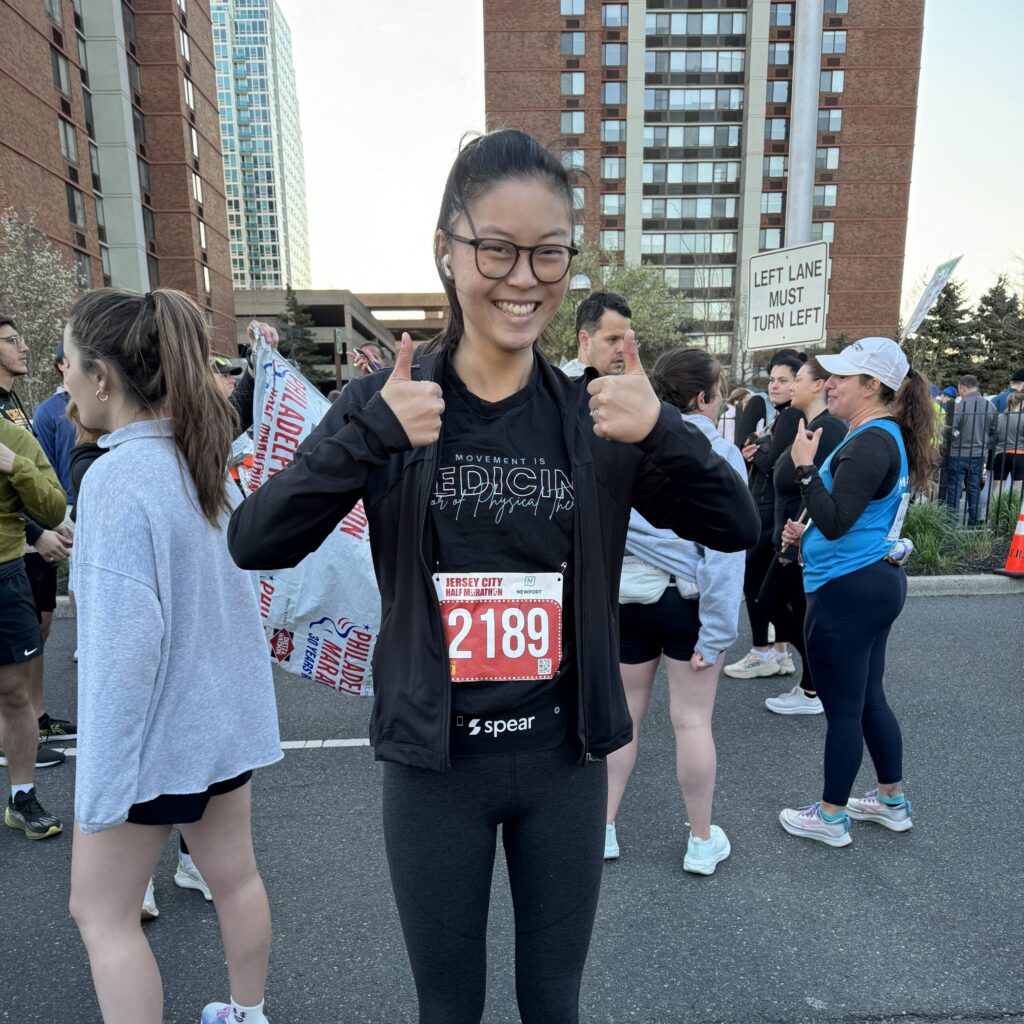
x,y
35,691
221,846
109,872
691,696
637,681
19,730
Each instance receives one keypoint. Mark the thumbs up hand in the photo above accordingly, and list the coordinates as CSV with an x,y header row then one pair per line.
x,y
417,404
624,408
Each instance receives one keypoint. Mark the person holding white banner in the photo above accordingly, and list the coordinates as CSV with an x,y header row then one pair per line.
x,y
498,495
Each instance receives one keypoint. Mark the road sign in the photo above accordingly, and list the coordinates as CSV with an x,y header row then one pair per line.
x,y
788,296
931,293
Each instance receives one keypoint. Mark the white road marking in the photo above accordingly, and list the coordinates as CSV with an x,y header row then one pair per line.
x,y
285,745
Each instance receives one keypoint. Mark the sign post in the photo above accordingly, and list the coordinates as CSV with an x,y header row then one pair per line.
x,y
787,298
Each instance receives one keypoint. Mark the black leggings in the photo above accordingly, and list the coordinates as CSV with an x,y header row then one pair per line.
x,y
847,627
759,560
440,834
783,600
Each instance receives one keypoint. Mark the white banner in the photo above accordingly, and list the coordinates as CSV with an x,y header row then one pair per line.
x,y
928,297
322,617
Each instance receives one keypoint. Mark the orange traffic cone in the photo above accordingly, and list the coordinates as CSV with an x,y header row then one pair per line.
x,y
1015,559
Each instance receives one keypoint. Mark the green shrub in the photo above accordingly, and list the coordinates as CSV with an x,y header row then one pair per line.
x,y
1004,510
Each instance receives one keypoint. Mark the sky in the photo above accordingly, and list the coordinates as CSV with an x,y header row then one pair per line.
x,y
387,90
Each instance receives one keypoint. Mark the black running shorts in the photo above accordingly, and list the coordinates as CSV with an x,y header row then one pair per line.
x,y
42,577
19,623
670,626
182,808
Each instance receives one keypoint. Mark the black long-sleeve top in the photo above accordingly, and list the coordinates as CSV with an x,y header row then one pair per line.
x,y
782,433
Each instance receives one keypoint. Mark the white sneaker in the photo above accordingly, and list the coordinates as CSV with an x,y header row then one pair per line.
x,y
870,808
149,911
611,843
786,664
74,657
753,666
808,823
704,855
187,876
794,702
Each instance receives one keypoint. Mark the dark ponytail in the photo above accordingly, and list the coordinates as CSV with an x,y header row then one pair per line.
x,y
913,409
483,162
158,346
680,376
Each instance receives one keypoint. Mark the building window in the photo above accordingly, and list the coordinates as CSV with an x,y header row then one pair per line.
x,y
824,195
148,224
833,42
194,138
694,61
579,198
53,12
83,271
688,242
778,92
183,44
573,122
134,75
572,8
703,136
695,24
101,219
613,168
197,188
779,53
613,131
699,277
691,171
781,16
771,202
774,167
59,67
68,143
190,94
615,15
830,120
139,123
105,261
573,83
153,266
826,159
832,81
775,128
613,93
823,231
577,234
837,6
613,204
613,55
613,241
76,206
573,159
143,175
202,234
574,44
181,6
206,279
702,208
128,20
769,238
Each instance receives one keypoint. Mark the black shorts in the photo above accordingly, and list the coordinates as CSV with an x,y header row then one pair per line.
x,y
42,577
670,626
1008,464
182,808
19,622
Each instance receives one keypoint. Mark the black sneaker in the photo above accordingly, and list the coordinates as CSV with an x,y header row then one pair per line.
x,y
46,757
24,811
56,729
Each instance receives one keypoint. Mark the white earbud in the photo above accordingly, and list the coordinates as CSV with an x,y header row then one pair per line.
x,y
445,268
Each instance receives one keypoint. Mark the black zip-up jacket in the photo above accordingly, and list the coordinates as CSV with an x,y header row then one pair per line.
x,y
360,450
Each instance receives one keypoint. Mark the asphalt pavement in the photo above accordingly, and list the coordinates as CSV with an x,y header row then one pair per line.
x,y
921,926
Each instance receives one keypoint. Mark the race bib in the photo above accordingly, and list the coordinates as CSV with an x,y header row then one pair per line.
x,y
505,625
901,514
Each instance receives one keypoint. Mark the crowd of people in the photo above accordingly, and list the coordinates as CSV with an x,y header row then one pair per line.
x,y
620,526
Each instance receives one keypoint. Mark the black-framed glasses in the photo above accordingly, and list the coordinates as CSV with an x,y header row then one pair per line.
x,y
497,258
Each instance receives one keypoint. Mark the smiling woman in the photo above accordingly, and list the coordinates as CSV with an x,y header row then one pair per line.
x,y
498,512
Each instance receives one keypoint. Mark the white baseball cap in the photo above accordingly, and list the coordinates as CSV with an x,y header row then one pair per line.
x,y
876,357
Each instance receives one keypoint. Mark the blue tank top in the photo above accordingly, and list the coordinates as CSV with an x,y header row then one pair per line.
x,y
871,537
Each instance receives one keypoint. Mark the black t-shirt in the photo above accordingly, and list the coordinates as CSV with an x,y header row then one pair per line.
x,y
787,491
503,502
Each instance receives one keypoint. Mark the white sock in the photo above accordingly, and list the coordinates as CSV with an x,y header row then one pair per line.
x,y
763,655
21,787
781,654
247,1014
185,860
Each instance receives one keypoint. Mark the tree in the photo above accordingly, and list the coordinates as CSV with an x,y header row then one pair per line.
x,y
998,329
37,287
298,343
943,347
658,313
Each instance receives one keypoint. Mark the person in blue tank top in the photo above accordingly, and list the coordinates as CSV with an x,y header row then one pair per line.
x,y
856,504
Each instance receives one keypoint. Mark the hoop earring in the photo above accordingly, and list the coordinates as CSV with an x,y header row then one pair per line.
x,y
102,395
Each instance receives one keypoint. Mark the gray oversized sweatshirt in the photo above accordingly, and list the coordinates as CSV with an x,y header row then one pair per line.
x,y
175,690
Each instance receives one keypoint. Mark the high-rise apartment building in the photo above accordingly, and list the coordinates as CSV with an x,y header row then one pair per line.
x,y
264,172
711,130
109,137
